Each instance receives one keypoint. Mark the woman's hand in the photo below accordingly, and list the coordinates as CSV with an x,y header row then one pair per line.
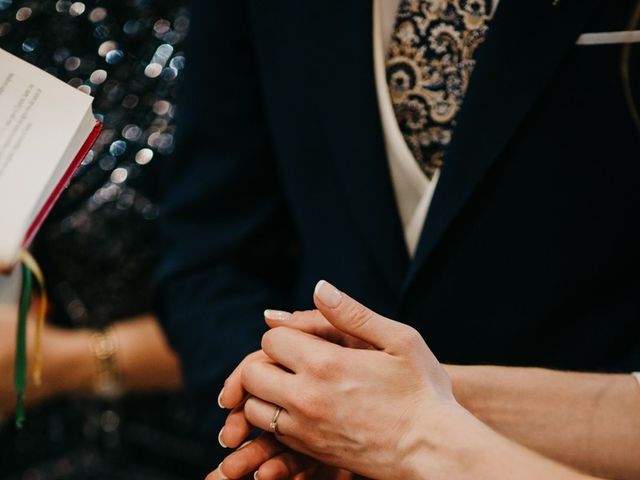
x,y
314,323
359,409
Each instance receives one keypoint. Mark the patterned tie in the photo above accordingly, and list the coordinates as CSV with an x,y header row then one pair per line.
x,y
429,64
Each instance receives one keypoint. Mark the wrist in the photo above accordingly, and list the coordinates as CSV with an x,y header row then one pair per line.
x,y
68,367
107,379
461,446
439,446
476,389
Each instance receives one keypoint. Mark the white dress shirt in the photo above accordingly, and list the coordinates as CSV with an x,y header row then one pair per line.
x,y
413,190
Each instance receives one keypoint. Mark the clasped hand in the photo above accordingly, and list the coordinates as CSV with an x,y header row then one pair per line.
x,y
355,389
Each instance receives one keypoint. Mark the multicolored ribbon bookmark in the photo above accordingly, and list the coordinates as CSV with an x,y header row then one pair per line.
x,y
30,269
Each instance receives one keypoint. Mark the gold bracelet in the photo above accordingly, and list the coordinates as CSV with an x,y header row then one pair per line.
x,y
107,382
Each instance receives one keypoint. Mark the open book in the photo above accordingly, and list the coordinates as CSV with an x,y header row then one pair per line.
x,y
46,129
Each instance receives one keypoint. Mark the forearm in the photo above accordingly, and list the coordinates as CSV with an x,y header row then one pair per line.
x,y
588,421
144,360
460,447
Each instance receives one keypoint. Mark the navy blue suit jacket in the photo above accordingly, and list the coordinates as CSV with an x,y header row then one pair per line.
x,y
531,251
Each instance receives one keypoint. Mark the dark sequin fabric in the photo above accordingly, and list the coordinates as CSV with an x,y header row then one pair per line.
x,y
98,247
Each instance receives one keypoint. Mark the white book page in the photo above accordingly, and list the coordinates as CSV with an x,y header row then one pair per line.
x,y
40,118
10,292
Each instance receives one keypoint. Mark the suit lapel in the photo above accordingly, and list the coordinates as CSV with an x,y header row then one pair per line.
x,y
527,42
341,37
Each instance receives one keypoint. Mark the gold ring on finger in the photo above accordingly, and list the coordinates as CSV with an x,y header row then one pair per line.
x,y
273,426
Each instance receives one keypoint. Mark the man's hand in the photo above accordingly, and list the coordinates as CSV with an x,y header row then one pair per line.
x,y
265,458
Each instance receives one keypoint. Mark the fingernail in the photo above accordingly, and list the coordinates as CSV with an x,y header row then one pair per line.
x,y
255,476
220,400
220,439
222,475
277,315
328,294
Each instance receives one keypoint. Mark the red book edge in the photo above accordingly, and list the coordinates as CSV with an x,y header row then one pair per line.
x,y
62,185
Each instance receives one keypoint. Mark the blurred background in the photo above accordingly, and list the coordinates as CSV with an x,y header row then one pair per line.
x,y
107,416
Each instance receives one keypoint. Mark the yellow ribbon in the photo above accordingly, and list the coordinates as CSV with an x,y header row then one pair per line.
x,y
27,259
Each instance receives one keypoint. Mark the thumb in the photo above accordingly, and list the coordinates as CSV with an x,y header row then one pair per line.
x,y
353,318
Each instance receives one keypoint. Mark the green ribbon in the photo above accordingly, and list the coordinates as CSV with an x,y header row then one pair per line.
x,y
20,372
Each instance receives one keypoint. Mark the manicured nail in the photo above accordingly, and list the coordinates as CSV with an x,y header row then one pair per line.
x,y
220,439
222,475
328,294
220,400
277,315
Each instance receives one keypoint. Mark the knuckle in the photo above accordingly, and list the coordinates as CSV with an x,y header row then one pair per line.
x,y
358,315
250,358
313,405
234,423
324,367
249,372
409,338
251,411
300,400
268,338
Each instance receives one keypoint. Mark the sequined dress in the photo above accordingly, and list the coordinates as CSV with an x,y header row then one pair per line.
x,y
98,247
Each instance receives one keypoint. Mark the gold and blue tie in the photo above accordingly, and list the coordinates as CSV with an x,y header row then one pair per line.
x,y
429,64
